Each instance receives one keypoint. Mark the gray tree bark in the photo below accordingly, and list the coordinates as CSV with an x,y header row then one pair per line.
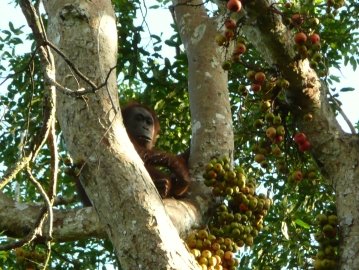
x,y
114,177
211,116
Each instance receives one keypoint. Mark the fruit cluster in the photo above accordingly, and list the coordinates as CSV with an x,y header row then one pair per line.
x,y
328,241
29,259
308,48
228,36
271,123
213,252
243,218
333,6
301,140
297,175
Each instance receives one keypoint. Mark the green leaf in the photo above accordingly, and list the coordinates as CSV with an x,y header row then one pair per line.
x,y
302,224
347,89
157,38
14,30
334,78
353,63
159,105
171,43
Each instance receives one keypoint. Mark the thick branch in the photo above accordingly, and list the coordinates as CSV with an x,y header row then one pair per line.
x,y
17,219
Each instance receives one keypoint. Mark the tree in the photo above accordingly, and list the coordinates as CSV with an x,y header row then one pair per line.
x,y
71,69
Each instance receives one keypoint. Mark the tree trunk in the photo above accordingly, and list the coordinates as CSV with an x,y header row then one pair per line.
x,y
211,116
114,177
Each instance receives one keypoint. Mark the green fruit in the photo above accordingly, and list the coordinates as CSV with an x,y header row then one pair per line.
x,y
328,229
20,259
241,40
239,170
276,151
228,191
317,57
255,149
220,40
316,47
68,161
258,123
312,175
297,176
259,158
217,167
318,236
321,219
320,255
202,234
249,241
265,106
222,208
330,251
251,75
242,90
226,65
264,164
269,117
210,182
280,131
317,264
313,64
283,83
314,22
271,132
333,220
277,120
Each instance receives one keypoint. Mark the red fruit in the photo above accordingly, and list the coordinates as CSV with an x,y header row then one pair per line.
x,y
240,48
229,34
278,139
300,138
234,5
260,77
314,38
243,207
297,19
305,146
228,255
256,87
300,39
230,23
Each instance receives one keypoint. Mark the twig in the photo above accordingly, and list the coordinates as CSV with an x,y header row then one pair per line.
x,y
48,205
66,59
80,92
23,69
13,171
346,119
